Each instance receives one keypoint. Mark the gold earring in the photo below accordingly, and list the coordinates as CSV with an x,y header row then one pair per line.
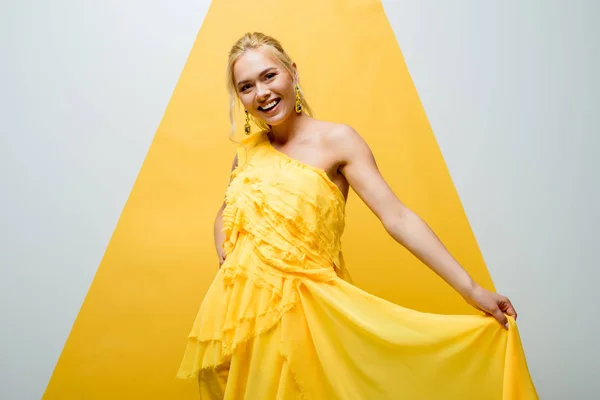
x,y
247,126
298,100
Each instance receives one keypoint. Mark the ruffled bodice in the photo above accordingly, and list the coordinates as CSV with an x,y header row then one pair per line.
x,y
292,211
278,322
283,223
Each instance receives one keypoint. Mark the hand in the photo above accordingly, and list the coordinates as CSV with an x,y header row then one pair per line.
x,y
222,257
492,303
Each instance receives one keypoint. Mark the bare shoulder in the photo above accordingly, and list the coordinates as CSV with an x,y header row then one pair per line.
x,y
342,131
346,142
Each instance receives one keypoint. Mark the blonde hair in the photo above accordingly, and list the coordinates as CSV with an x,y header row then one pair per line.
x,y
257,40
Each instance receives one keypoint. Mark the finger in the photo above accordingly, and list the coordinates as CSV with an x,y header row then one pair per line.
x,y
500,317
507,308
510,310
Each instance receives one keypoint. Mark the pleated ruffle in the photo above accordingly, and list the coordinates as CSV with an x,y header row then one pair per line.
x,y
278,231
278,319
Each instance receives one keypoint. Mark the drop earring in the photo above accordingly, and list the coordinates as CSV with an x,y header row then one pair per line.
x,y
247,126
298,100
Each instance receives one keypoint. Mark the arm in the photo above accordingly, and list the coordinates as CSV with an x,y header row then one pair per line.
x,y
407,228
218,225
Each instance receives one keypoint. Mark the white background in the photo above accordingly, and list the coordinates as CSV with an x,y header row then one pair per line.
x,y
512,92
509,89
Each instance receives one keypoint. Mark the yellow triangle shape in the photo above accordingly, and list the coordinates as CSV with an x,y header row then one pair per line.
x,y
129,336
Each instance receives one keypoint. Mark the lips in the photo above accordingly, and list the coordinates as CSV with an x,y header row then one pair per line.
x,y
269,106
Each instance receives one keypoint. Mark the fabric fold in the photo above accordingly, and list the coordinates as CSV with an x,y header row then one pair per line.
x,y
281,321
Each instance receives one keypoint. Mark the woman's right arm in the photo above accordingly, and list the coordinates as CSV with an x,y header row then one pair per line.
x,y
218,226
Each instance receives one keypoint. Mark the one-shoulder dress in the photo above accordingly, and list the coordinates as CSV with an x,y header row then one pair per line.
x,y
281,321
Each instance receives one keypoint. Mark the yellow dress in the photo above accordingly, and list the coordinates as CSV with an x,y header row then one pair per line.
x,y
280,321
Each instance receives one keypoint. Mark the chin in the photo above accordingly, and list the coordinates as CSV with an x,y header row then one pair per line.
x,y
278,119
275,121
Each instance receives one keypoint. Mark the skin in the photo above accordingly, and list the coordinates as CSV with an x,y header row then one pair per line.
x,y
348,161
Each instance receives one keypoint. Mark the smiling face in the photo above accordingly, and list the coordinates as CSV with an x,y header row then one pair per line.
x,y
264,86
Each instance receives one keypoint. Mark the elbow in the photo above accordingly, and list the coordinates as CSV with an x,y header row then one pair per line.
x,y
396,218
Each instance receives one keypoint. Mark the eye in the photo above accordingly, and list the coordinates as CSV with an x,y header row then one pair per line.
x,y
270,75
245,87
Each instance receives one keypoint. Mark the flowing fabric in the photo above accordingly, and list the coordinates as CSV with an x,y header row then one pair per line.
x,y
281,321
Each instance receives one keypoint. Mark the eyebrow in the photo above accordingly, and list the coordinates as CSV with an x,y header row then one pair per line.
x,y
262,73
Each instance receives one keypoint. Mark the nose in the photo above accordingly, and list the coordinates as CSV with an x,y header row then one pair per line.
x,y
262,92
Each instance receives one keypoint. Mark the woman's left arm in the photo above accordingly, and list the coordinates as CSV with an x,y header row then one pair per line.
x,y
407,228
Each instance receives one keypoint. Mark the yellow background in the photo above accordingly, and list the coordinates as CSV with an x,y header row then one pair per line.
x,y
131,331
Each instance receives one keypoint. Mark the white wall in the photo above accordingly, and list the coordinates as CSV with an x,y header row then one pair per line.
x,y
83,86
509,90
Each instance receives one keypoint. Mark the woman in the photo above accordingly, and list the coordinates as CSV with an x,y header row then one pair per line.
x,y
280,320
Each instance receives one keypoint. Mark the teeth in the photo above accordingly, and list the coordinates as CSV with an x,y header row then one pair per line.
x,y
270,105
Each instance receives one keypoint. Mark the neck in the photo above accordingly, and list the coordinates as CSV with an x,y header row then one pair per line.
x,y
289,128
